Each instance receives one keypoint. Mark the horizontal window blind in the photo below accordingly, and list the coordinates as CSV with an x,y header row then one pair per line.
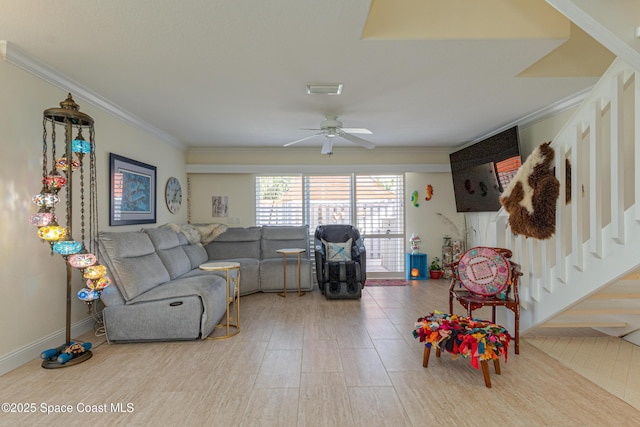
x,y
279,200
329,199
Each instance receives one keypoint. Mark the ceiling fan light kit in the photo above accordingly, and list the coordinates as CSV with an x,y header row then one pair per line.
x,y
324,89
327,147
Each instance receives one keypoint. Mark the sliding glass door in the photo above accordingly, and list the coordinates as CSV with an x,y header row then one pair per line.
x,y
373,203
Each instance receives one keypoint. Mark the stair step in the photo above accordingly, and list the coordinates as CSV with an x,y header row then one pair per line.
x,y
600,311
616,295
586,324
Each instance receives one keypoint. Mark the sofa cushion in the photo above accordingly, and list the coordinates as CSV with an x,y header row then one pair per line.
x,y
236,242
197,255
182,239
281,237
169,250
132,262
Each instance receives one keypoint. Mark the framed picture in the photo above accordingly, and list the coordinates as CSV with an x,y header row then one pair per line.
x,y
220,206
133,191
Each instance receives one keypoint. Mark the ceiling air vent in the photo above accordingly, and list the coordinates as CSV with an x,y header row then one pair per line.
x,y
325,89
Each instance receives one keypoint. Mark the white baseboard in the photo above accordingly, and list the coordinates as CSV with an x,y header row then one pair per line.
x,y
31,351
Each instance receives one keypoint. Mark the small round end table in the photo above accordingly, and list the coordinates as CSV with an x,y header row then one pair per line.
x,y
291,251
227,266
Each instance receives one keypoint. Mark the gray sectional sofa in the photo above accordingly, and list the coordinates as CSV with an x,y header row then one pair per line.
x,y
159,293
261,267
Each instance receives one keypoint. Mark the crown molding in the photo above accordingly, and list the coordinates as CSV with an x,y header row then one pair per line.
x,y
548,111
16,56
319,169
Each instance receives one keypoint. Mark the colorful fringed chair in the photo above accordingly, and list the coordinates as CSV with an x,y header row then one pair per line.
x,y
487,277
475,339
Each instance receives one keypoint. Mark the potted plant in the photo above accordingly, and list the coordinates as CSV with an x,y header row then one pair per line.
x,y
435,270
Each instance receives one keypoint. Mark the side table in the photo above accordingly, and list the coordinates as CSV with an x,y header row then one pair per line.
x,y
416,266
231,299
291,251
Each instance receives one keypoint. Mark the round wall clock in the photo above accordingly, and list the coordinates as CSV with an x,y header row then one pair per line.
x,y
173,195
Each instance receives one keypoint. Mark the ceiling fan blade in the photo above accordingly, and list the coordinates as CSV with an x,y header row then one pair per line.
x,y
303,139
361,131
358,140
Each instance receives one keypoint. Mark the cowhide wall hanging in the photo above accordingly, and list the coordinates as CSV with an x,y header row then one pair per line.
x,y
531,196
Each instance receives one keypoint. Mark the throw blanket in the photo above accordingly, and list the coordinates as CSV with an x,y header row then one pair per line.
x,y
198,233
531,196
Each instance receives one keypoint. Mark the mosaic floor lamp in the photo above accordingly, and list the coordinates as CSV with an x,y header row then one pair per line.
x,y
58,167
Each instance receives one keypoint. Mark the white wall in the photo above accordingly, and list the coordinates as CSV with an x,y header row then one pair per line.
x,y
542,131
239,187
33,285
433,219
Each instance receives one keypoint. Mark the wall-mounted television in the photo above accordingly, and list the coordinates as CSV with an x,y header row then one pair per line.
x,y
483,170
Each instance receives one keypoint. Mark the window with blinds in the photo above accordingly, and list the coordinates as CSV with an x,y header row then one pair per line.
x,y
373,203
329,200
279,200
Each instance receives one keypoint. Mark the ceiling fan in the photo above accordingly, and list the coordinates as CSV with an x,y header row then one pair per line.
x,y
331,127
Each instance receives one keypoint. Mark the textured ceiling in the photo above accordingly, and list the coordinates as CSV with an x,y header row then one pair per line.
x,y
230,73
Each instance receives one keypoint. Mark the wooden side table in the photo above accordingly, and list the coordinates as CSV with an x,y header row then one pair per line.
x,y
231,299
291,251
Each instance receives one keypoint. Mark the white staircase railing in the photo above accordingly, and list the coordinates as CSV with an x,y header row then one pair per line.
x,y
597,238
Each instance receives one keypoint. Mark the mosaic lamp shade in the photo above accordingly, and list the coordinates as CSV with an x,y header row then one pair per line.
x,y
82,260
102,283
67,247
52,233
80,145
95,272
46,200
88,295
42,219
62,164
98,284
54,181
